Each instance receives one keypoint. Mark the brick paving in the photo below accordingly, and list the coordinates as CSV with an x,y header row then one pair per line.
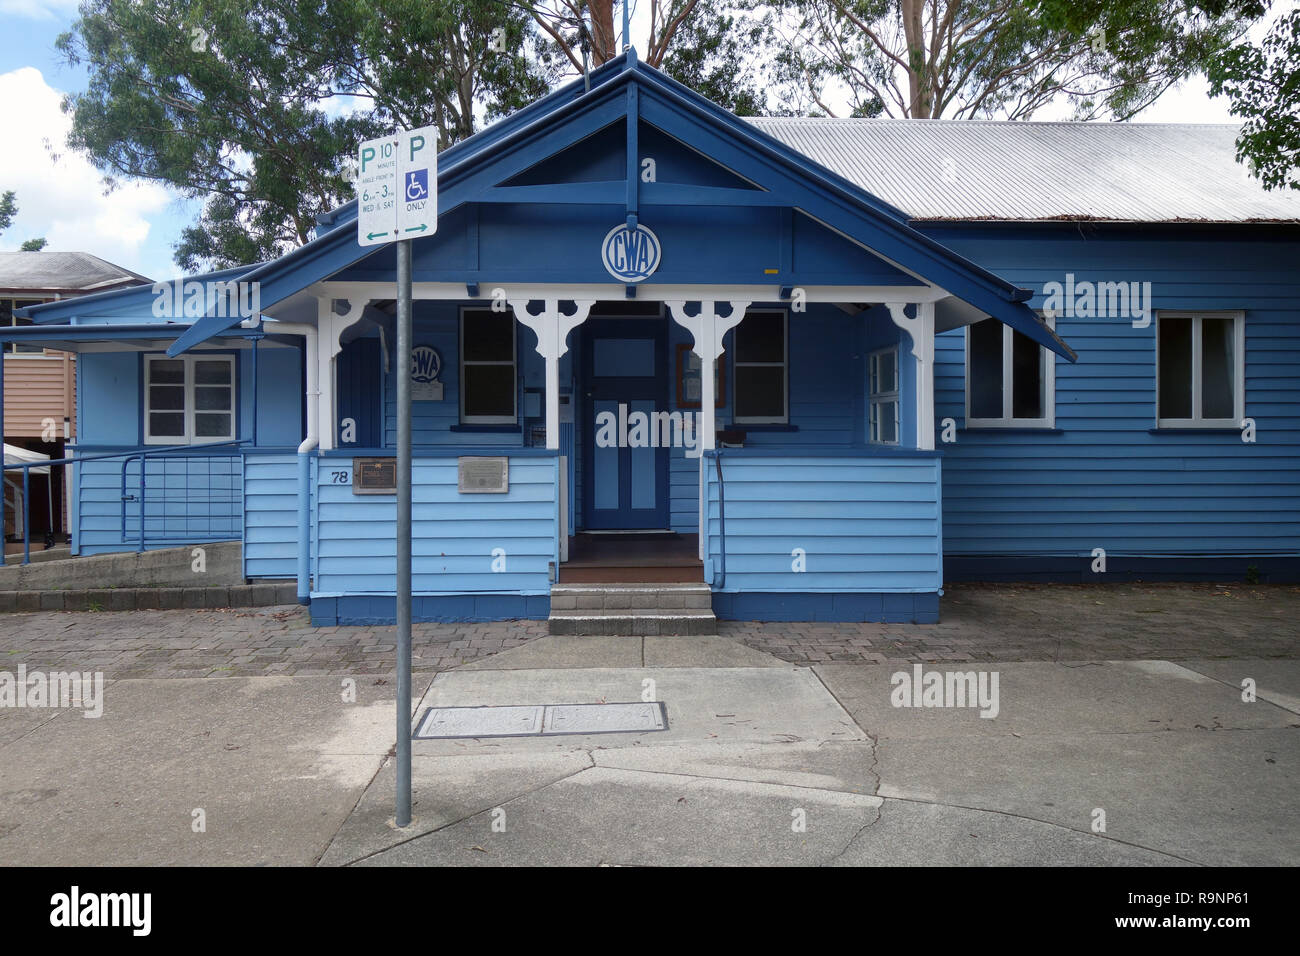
x,y
1049,622
981,622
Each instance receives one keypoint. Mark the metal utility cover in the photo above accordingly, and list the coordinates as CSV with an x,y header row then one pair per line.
x,y
605,718
444,722
545,720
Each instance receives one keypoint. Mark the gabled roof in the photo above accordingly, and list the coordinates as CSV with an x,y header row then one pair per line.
x,y
1028,171
64,272
623,89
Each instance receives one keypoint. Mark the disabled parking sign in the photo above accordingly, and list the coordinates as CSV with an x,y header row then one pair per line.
x,y
397,187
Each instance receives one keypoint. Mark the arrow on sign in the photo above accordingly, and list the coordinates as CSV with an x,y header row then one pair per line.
x,y
419,228
375,235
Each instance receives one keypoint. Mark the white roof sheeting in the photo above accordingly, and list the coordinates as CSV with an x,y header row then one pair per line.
x,y
1025,171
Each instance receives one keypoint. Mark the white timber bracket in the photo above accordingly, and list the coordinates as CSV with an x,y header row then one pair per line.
x,y
921,330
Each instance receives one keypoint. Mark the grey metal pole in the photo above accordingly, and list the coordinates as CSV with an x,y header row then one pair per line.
x,y
404,336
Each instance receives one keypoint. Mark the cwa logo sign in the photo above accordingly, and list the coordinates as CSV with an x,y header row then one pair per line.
x,y
631,255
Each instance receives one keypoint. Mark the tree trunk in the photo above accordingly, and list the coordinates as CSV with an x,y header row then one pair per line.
x,y
604,41
918,86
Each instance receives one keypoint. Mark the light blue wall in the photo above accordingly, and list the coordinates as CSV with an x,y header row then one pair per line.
x,y
270,515
453,534
179,489
867,522
1105,479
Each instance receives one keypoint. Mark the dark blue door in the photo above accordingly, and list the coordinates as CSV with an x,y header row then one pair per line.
x,y
360,392
625,476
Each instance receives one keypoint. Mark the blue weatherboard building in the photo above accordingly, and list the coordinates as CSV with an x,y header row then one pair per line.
x,y
962,349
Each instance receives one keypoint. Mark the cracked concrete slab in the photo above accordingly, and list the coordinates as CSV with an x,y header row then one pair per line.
x,y
276,764
760,704
605,816
919,834
1276,681
1212,797
1046,698
444,790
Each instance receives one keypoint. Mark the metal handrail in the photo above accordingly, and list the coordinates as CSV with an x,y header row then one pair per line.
x,y
126,454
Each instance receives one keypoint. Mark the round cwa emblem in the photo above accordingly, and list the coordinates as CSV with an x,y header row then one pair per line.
x,y
630,255
426,364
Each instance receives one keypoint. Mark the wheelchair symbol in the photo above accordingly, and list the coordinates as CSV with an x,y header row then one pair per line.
x,y
417,185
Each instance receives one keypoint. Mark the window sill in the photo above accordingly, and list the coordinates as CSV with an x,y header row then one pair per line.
x,y
487,429
1012,430
1195,430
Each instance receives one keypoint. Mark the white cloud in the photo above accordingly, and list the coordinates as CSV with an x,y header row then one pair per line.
x,y
39,9
60,195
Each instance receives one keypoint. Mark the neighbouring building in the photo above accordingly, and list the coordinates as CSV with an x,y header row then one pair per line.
x,y
938,350
39,383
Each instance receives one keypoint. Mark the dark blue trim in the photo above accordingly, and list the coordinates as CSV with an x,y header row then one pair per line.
x,y
1013,430
1232,430
1057,569
893,608
810,451
370,609
758,428
487,429
446,451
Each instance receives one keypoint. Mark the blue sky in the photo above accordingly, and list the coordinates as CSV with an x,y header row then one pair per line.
x,y
61,197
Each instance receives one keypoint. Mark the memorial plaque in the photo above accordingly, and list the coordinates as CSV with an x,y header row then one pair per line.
x,y
445,722
374,476
483,475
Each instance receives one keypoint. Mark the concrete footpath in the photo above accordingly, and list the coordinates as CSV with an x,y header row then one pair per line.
x,y
765,762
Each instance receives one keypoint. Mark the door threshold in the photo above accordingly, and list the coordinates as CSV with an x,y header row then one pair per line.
x,y
615,531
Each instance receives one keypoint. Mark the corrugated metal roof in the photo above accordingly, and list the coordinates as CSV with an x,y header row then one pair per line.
x,y
62,271
990,170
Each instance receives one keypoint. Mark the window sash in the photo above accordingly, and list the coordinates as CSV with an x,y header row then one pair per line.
x,y
512,362
880,401
1237,370
189,410
783,365
1047,380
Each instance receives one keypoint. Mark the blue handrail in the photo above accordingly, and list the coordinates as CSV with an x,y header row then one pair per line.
x,y
127,455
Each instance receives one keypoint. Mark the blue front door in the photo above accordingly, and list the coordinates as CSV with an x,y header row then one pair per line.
x,y
625,476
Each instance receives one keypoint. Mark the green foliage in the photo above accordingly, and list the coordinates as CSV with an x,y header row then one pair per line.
x,y
33,245
1263,85
257,107
8,209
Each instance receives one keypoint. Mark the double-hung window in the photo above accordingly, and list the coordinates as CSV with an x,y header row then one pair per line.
x,y
1010,378
882,372
189,399
762,370
487,368
1201,369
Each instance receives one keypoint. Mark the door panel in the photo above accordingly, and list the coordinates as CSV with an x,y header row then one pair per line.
x,y
625,373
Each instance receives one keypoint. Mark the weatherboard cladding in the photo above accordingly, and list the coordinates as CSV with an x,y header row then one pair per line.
x,y
864,521
453,535
1105,480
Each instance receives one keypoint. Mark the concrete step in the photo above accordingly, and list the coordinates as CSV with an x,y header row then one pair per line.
x,y
605,622
261,594
623,597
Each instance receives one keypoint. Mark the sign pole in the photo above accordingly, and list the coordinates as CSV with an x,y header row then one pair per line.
x,y
404,336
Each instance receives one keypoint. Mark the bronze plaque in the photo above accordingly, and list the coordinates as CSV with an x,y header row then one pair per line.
x,y
374,476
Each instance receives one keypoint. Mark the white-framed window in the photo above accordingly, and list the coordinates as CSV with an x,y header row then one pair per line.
x,y
189,400
762,369
1200,369
882,397
1010,378
488,393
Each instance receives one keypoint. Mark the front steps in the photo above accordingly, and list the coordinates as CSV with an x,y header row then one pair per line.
x,y
650,608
